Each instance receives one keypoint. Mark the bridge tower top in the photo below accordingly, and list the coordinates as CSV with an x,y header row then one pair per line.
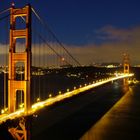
x,y
126,63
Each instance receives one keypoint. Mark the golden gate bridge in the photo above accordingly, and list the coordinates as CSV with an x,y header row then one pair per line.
x,y
32,48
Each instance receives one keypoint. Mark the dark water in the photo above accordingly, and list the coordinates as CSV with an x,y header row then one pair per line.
x,y
121,122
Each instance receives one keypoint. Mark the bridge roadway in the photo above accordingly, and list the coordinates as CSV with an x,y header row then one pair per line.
x,y
39,105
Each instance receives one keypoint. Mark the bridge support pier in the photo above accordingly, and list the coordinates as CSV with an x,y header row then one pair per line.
x,y
21,131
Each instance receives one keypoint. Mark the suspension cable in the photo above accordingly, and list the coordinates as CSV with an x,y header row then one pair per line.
x,y
5,59
52,48
4,11
46,26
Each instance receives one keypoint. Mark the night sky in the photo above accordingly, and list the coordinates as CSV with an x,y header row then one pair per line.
x,y
101,29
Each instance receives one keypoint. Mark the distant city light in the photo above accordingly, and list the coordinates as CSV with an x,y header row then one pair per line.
x,y
63,59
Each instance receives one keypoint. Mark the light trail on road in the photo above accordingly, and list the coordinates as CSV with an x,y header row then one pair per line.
x,y
39,105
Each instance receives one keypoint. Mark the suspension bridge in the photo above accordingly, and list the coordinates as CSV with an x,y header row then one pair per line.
x,y
26,52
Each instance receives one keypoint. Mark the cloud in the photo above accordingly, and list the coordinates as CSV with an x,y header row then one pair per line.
x,y
112,33
114,42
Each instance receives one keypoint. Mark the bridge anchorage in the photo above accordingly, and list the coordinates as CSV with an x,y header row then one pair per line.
x,y
21,131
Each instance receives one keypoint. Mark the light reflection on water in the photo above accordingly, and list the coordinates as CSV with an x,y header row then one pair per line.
x,y
121,121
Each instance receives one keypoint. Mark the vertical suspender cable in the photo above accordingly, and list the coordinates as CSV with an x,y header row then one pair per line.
x,y
33,63
39,65
5,62
35,49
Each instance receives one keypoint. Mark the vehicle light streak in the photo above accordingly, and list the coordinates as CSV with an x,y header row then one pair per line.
x,y
37,106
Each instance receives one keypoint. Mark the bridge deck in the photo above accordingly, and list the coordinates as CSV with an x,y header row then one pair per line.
x,y
61,97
